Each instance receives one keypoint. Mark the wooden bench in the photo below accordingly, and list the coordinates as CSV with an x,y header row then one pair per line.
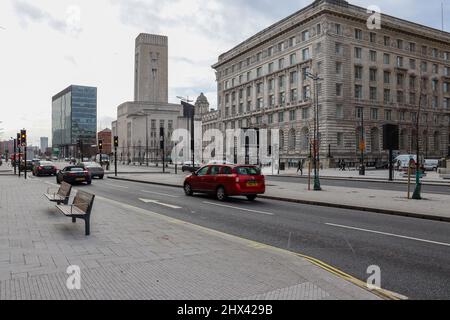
x,y
62,195
80,209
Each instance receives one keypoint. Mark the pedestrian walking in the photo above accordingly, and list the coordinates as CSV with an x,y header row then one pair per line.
x,y
300,167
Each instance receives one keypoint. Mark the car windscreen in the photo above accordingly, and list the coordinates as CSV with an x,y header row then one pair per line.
x,y
248,171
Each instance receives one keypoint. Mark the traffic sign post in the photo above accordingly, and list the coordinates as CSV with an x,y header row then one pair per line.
x,y
116,144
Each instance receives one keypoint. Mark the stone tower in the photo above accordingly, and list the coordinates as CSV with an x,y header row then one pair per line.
x,y
151,69
201,105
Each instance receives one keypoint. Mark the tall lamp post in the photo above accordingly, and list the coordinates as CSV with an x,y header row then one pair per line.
x,y
316,153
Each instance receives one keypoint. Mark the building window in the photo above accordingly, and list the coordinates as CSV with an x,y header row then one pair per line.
x,y
259,72
412,47
306,93
339,111
281,117
305,54
318,29
339,48
340,139
281,82
358,91
292,115
294,95
270,67
387,58
388,115
446,87
435,68
373,37
358,53
258,56
412,64
447,71
282,98
338,68
400,62
338,28
412,98
387,96
294,78
271,100
412,82
400,97
358,72
400,44
270,119
292,42
259,88
359,112
358,34
293,59
373,75
373,56
305,113
339,89
424,66
374,114
281,64
280,46
270,51
387,41
435,53
271,84
387,77
305,35
373,93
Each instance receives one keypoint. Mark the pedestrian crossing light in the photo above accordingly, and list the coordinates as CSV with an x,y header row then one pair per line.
x,y
116,141
23,137
100,145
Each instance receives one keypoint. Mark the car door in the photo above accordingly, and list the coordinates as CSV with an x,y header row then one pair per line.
x,y
199,179
212,179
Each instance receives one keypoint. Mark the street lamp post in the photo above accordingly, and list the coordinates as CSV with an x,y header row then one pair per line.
x,y
316,153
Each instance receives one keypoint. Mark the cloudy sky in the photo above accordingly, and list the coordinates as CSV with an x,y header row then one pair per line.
x,y
46,45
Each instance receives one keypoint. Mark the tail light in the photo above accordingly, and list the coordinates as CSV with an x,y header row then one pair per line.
x,y
40,167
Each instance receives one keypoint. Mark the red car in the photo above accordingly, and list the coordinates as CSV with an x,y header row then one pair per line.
x,y
226,180
44,168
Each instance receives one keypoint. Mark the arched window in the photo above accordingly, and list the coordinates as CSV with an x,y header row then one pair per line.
x,y
292,140
281,140
305,139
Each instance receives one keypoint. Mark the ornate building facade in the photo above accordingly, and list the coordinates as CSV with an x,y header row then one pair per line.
x,y
367,78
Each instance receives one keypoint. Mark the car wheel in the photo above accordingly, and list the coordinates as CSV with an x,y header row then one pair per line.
x,y
221,194
252,197
57,181
188,189
89,182
100,177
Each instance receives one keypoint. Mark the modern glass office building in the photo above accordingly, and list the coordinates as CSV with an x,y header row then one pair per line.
x,y
74,117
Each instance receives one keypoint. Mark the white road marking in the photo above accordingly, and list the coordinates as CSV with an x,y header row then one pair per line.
x,y
116,186
160,203
389,234
238,208
161,194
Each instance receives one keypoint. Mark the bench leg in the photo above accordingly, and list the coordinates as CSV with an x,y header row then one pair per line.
x,y
74,220
87,223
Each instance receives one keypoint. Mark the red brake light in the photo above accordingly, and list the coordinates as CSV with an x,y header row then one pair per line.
x,y
40,167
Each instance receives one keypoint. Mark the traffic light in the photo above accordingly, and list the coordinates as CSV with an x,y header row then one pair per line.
x,y
116,141
23,137
100,145
18,140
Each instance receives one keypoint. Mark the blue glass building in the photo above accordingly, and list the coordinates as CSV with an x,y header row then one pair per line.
x,y
74,117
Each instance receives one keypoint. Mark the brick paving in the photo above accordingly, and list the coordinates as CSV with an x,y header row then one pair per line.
x,y
137,254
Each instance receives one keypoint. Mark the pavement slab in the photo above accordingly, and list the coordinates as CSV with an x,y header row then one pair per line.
x,y
138,254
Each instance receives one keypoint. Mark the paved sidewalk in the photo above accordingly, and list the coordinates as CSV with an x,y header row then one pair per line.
x,y
434,206
137,254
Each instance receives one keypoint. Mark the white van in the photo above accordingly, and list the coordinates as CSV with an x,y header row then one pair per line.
x,y
431,165
402,161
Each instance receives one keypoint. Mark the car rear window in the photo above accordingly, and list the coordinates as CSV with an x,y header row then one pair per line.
x,y
248,171
76,169
46,163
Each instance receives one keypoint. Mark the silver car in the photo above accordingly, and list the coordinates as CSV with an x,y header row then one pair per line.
x,y
94,169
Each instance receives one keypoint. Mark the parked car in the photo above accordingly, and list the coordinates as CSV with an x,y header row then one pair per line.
x,y
226,180
431,165
94,169
44,168
74,174
187,166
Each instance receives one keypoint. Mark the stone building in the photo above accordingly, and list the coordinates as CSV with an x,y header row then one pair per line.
x,y
138,122
368,77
